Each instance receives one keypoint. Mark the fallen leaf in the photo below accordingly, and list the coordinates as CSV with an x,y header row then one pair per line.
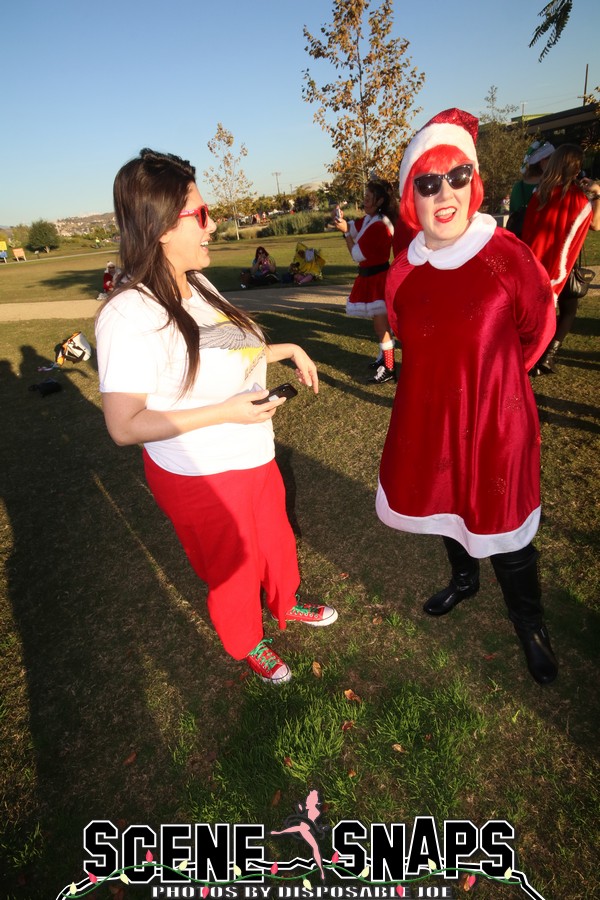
x,y
377,620
344,575
287,761
245,674
489,656
317,669
130,759
427,737
467,882
350,695
398,748
348,724
276,798
229,682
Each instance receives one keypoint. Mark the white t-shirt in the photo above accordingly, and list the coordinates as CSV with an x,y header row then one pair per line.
x,y
138,355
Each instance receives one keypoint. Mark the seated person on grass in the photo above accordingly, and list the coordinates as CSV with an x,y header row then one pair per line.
x,y
261,272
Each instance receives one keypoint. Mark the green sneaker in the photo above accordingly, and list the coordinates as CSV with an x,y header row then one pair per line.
x,y
267,664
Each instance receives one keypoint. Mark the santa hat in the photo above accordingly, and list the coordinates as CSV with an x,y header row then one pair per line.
x,y
452,126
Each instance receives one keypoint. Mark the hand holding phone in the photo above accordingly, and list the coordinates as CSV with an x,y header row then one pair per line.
x,y
286,390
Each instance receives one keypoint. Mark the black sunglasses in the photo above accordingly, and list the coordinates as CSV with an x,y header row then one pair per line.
x,y
457,178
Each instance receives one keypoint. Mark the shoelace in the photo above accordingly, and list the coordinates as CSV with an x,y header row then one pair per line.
x,y
300,608
264,655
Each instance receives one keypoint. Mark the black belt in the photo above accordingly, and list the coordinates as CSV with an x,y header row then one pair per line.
x,y
365,271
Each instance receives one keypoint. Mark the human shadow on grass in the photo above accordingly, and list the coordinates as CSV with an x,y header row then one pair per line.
x,y
338,521
115,645
114,638
338,366
568,414
587,326
89,282
574,359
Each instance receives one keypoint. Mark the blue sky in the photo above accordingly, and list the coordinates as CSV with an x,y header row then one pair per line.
x,y
87,85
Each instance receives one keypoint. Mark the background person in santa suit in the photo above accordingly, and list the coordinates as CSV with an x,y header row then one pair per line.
x,y
369,241
472,308
560,213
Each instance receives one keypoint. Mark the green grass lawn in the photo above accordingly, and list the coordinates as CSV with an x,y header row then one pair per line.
x,y
117,701
78,276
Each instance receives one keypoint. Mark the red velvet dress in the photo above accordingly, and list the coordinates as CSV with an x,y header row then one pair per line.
x,y
462,454
373,237
557,231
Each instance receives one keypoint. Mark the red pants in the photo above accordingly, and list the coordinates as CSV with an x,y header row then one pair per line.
x,y
234,529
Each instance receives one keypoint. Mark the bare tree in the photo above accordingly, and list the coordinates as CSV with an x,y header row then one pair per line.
x,y
228,181
367,108
501,146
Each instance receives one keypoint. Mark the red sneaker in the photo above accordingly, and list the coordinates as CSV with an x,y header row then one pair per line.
x,y
267,664
311,615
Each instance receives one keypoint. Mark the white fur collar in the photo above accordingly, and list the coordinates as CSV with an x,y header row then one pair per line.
x,y
468,245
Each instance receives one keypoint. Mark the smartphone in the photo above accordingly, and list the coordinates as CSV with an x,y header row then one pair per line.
x,y
286,390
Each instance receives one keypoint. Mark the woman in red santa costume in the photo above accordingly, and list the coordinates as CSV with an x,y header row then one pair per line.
x,y
557,220
473,308
369,241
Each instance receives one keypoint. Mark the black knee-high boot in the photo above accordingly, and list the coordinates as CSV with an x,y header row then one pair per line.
x,y
518,577
464,582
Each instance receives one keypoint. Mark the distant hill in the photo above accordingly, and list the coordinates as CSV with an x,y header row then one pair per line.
x,y
84,224
76,224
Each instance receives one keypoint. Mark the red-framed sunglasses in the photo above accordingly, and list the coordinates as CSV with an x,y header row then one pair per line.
x,y
200,213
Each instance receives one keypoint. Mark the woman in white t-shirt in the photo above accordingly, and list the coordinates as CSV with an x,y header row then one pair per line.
x,y
180,369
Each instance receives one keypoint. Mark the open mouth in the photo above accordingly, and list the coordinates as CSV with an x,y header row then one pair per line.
x,y
446,214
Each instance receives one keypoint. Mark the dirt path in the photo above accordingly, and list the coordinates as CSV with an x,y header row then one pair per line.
x,y
254,301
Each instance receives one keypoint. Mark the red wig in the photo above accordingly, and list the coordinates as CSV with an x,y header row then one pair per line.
x,y
439,159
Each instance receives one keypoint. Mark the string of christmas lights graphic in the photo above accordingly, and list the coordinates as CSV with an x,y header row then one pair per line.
x,y
271,868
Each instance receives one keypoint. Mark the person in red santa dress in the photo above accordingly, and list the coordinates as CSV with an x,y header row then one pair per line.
x,y
473,308
369,240
560,213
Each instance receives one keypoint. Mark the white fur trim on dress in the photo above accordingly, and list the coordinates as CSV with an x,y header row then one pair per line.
x,y
479,546
366,310
356,253
468,245
433,136
564,250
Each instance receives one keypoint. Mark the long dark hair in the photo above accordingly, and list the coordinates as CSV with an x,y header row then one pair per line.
x,y
562,170
149,193
383,190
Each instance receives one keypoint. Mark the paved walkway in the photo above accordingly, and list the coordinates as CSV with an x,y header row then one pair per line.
x,y
255,300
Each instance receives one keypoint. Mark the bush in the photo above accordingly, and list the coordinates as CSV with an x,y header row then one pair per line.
x,y
298,223
226,232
